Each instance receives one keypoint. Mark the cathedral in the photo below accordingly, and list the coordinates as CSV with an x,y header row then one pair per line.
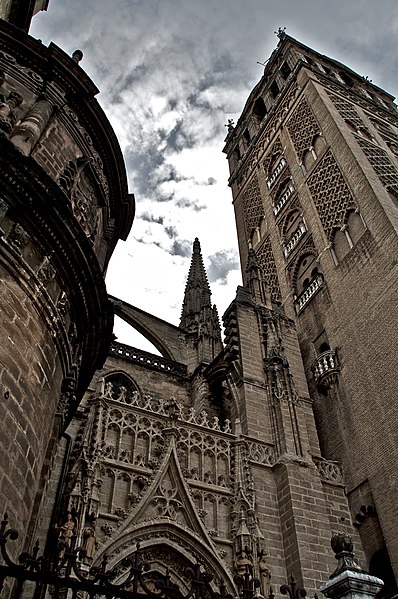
x,y
244,455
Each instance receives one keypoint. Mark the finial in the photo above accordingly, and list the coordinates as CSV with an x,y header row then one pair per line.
x,y
230,125
280,32
343,547
77,56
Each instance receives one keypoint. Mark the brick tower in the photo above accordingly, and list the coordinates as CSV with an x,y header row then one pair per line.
x,y
313,163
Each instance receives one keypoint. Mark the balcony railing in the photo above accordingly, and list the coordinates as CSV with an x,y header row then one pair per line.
x,y
283,198
308,293
276,172
289,246
325,369
139,356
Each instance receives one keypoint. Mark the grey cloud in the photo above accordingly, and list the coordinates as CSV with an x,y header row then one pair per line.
x,y
171,232
185,203
150,218
181,248
221,263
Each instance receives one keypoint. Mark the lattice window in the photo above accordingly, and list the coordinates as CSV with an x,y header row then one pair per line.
x,y
390,116
266,261
330,192
383,128
252,205
387,133
348,112
381,163
302,127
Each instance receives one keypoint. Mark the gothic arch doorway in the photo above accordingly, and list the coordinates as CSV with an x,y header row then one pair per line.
x,y
168,550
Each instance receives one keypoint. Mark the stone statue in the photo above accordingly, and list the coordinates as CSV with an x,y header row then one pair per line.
x,y
265,576
108,390
243,563
89,540
65,533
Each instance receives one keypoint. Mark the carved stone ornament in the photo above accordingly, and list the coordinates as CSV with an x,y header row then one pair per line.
x,y
7,106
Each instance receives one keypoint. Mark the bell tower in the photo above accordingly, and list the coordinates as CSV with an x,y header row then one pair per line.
x,y
314,177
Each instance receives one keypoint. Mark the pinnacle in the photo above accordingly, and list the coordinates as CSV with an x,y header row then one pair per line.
x,y
197,291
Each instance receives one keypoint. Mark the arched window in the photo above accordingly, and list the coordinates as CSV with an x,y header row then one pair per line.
x,y
346,78
285,70
308,160
120,387
355,225
285,190
324,347
318,144
259,109
274,89
308,269
380,566
347,236
246,138
290,224
340,245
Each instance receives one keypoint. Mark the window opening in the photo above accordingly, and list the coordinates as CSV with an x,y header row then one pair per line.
x,y
285,70
274,89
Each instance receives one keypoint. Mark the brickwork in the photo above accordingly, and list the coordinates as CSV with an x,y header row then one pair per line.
x,y
30,379
345,191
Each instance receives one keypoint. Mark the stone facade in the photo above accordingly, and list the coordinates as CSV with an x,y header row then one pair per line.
x,y
63,206
214,454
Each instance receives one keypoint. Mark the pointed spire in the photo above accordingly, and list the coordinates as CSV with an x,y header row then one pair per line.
x,y
197,291
198,316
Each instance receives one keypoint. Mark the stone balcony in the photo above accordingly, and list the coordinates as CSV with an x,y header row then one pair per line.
x,y
289,246
283,199
308,293
325,369
276,172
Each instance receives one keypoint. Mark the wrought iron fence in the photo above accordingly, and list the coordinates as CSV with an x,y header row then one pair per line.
x,y
63,574
65,571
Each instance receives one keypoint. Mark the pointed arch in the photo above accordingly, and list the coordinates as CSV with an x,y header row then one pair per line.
x,y
121,387
166,545
166,521
305,270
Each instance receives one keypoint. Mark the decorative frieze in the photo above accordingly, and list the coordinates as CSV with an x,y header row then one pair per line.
x,y
330,193
329,471
302,127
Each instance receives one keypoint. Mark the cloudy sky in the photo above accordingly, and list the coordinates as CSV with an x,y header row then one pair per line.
x,y
171,73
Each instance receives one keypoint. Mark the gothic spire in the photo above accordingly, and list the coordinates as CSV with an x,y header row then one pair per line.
x,y
197,295
198,316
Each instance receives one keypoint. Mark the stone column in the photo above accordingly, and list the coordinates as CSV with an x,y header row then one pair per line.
x,y
28,132
349,581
